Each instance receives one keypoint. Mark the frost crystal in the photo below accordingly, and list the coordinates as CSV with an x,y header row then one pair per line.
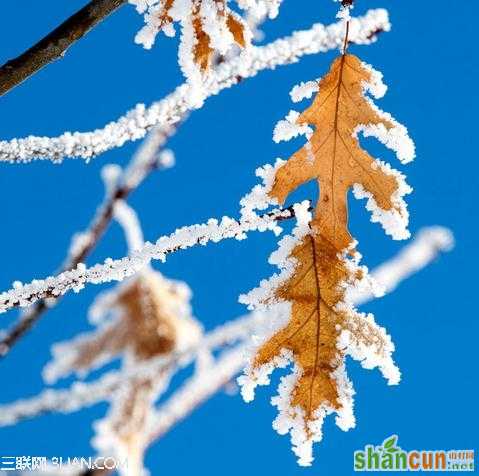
x,y
288,128
395,221
304,90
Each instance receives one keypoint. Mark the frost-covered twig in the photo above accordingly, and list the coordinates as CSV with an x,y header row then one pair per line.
x,y
55,44
147,159
196,390
138,121
84,394
427,245
22,295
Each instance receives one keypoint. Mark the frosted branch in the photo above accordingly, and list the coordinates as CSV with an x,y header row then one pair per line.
x,y
148,158
128,220
22,295
427,245
135,124
84,394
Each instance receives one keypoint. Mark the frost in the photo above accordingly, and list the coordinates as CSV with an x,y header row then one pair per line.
x,y
280,258
413,257
258,198
211,16
395,138
428,243
304,90
395,221
291,419
130,223
370,345
288,128
261,8
136,123
117,270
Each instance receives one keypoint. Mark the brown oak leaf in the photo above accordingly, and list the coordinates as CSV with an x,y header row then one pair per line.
x,y
322,325
226,22
334,157
151,317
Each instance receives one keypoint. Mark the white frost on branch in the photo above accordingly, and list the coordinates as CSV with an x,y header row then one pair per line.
x,y
135,124
84,394
256,298
428,244
261,8
258,198
128,219
23,295
149,156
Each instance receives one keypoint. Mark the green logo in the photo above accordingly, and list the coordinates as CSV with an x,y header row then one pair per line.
x,y
390,457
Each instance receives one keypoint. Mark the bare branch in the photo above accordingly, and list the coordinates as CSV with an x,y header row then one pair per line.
x,y
55,44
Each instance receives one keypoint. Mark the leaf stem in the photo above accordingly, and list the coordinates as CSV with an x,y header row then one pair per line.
x,y
346,39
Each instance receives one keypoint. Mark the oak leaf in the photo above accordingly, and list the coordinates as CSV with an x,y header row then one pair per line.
x,y
146,317
211,22
321,326
334,157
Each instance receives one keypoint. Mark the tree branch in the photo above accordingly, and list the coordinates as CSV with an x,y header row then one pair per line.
x,y
142,164
428,244
138,121
55,44
117,270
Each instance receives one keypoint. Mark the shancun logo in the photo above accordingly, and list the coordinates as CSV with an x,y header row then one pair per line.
x,y
390,457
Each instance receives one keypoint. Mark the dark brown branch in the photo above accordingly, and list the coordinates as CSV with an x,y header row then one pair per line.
x,y
55,44
96,230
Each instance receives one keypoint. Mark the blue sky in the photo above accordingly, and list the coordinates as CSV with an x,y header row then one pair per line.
x,y
430,63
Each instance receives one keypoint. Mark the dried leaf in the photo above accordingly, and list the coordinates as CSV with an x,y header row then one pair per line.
x,y
226,21
146,325
148,316
323,327
237,28
311,334
148,306
334,156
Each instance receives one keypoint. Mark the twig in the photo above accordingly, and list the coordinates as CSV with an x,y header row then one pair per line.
x,y
55,44
84,394
117,270
197,390
142,164
135,123
428,244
